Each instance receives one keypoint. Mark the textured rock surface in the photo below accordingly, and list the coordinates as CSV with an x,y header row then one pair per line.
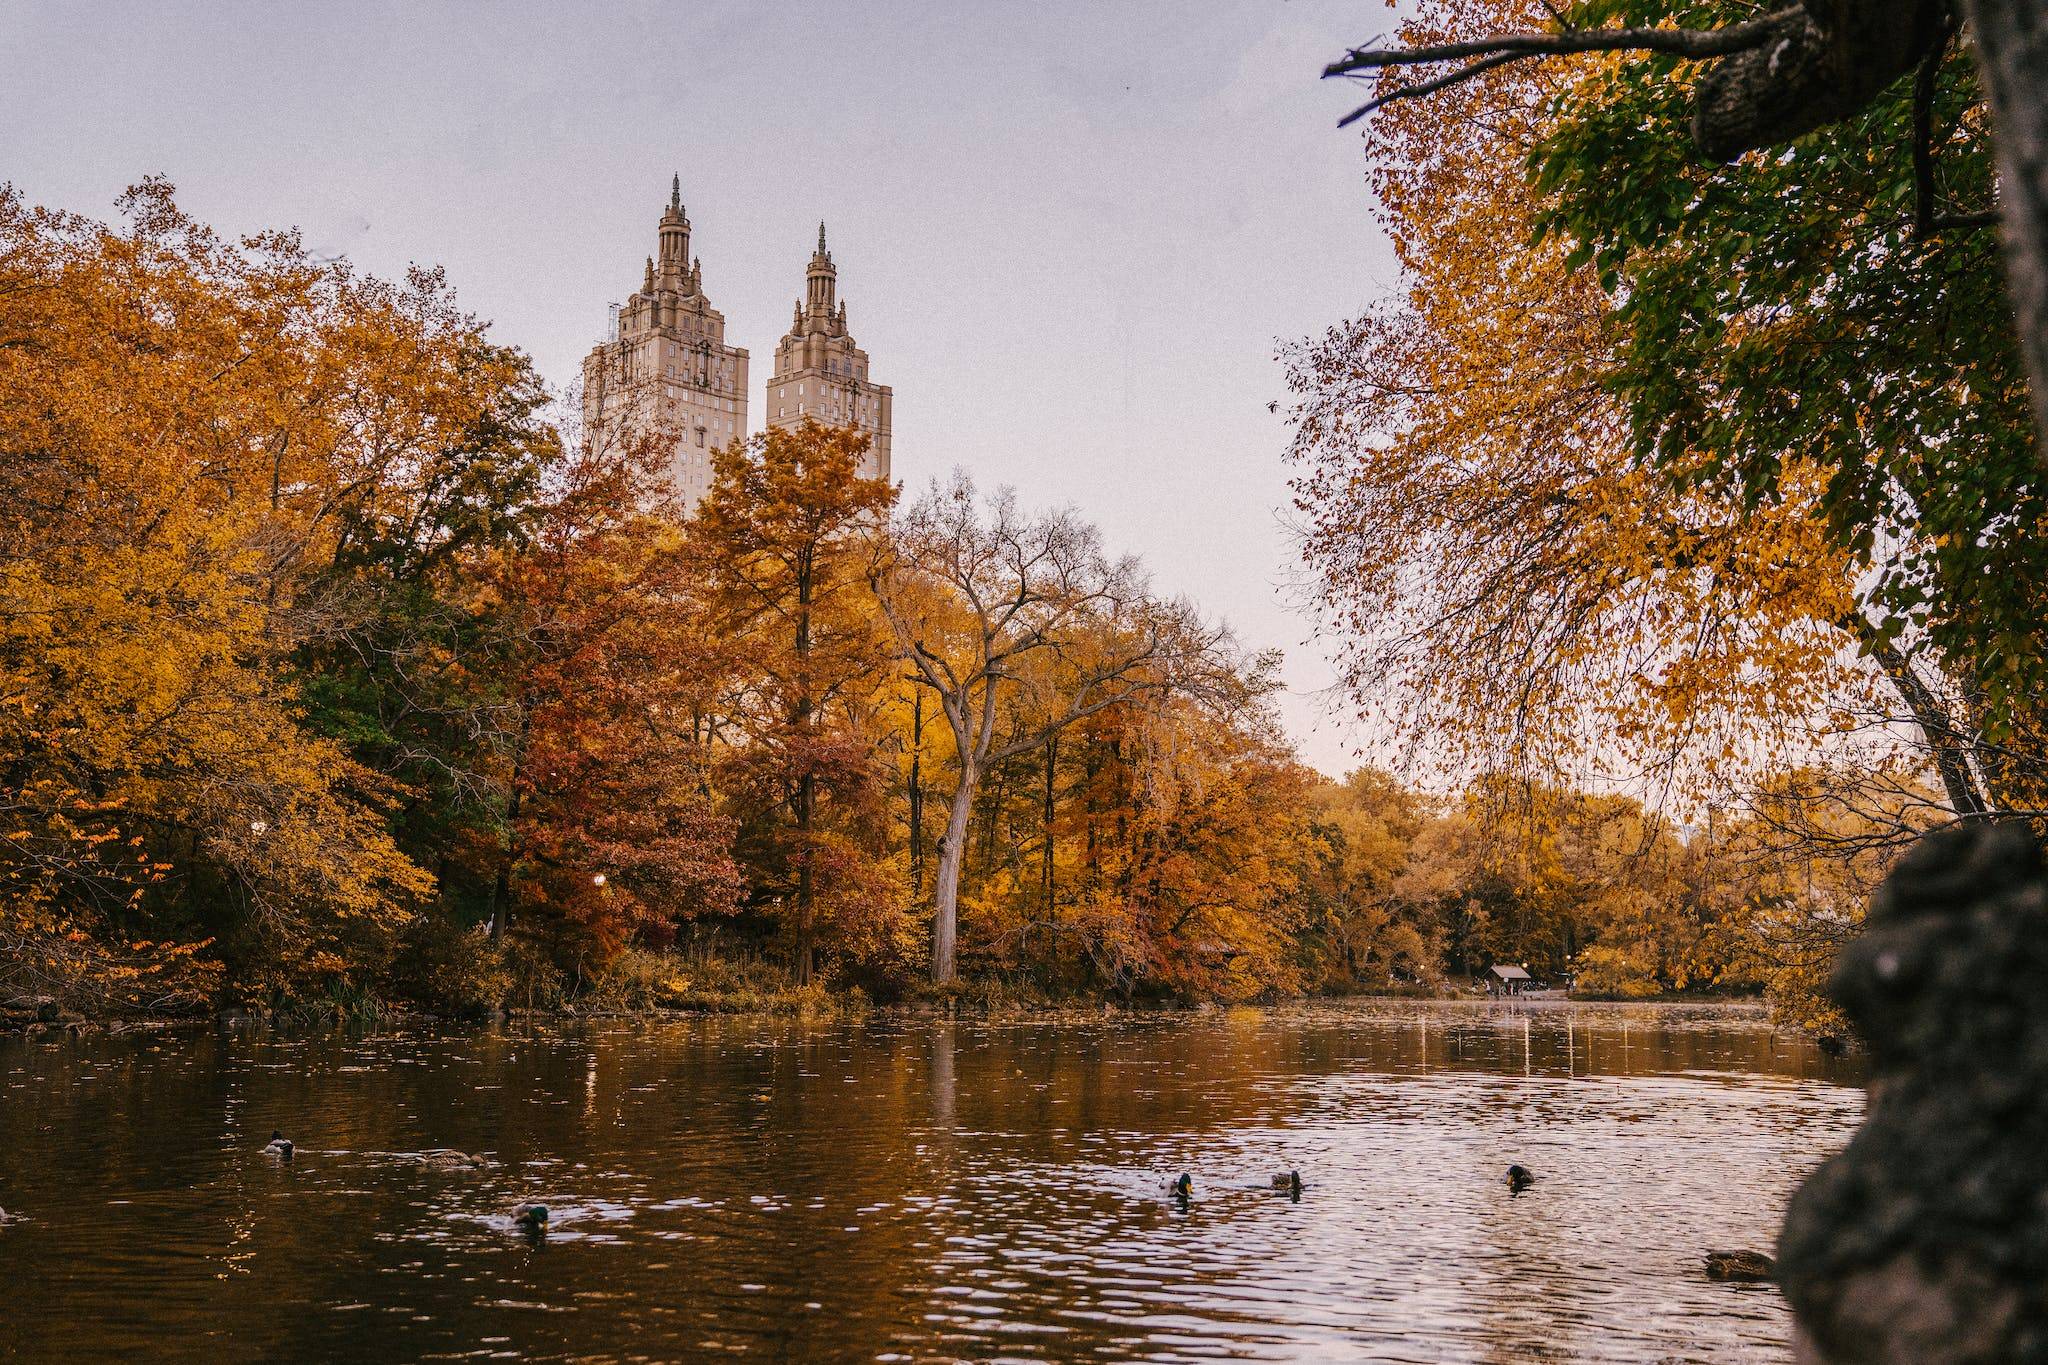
x,y
1926,1240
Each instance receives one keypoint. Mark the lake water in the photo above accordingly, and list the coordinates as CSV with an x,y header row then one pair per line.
x,y
917,1189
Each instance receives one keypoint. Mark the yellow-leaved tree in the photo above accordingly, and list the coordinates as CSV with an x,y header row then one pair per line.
x,y
191,422
1520,592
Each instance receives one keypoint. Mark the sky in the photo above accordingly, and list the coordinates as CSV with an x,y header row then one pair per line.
x,y
1071,236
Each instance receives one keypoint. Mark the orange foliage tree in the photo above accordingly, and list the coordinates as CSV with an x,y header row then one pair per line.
x,y
1520,591
1020,626
185,419
611,831
780,540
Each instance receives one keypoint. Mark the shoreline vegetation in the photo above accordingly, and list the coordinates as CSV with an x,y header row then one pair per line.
x,y
986,1002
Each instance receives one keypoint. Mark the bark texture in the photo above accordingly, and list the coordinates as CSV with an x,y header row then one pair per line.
x,y
2012,53
1926,1240
1823,61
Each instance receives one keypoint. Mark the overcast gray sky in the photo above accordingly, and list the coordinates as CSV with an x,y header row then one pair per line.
x,y
1069,234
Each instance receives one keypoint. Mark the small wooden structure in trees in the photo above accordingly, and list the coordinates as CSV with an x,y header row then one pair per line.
x,y
1504,980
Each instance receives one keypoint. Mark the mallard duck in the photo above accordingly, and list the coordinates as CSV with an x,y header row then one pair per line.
x,y
449,1159
1288,1182
1181,1187
1743,1267
279,1146
531,1218
1519,1179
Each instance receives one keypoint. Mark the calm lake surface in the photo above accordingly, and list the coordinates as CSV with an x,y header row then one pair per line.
x,y
917,1190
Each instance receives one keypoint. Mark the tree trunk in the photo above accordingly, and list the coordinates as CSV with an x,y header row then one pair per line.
x,y
1052,758
917,796
2011,39
946,887
1950,749
807,784
806,801
1822,63
501,885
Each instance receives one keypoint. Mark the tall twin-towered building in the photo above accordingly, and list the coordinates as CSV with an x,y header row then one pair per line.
x,y
820,373
668,363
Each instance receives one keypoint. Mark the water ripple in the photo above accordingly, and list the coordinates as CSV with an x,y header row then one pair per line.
x,y
918,1191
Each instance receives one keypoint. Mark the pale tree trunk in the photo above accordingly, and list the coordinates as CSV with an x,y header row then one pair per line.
x,y
1947,746
946,886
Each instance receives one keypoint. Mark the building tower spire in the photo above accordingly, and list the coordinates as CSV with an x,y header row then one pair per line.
x,y
823,281
665,372
822,375
675,240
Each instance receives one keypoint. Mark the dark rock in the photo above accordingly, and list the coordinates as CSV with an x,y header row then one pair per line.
x,y
1926,1240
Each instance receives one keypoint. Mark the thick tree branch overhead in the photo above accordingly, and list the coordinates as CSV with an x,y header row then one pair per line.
x,y
1771,78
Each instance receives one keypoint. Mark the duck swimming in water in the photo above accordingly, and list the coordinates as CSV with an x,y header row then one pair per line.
x,y
1519,1179
531,1219
1182,1187
1741,1267
448,1159
1289,1183
279,1146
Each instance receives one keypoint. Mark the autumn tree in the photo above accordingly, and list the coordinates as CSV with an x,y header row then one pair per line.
x,y
1794,870
1198,888
1364,926
610,832
190,425
781,538
407,669
1522,589
1745,82
1021,626
1823,328
1157,847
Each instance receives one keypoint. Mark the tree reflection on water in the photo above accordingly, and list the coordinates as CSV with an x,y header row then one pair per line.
x,y
928,1188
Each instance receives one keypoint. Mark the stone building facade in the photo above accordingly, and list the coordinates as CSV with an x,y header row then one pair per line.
x,y
820,373
667,365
